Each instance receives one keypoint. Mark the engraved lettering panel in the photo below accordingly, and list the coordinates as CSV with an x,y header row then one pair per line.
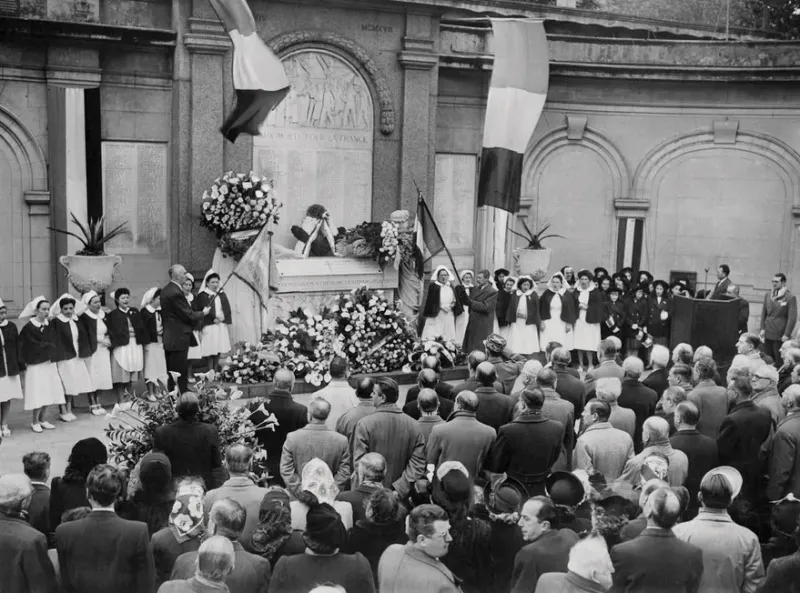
x,y
454,199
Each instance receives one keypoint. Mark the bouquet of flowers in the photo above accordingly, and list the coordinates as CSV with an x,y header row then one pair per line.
x,y
390,246
447,351
238,202
250,363
382,241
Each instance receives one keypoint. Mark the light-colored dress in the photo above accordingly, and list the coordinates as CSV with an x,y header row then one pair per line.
x,y
444,324
555,329
587,335
215,339
523,338
73,372
42,383
10,387
99,364
155,361
462,321
127,361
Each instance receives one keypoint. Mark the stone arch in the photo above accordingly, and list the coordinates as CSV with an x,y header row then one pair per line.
x,y
783,156
356,54
24,147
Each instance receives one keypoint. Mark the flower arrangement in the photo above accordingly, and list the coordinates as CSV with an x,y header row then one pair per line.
x,y
382,241
447,351
238,202
250,363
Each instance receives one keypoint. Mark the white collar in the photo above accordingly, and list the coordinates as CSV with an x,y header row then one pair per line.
x,y
152,309
208,291
99,315
5,323
442,285
37,323
125,311
64,319
526,293
103,510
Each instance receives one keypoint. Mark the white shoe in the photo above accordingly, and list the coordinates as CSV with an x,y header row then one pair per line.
x,y
5,431
72,416
64,418
99,411
47,426
36,427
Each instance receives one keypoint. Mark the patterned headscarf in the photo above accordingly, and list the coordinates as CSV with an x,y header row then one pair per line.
x,y
186,519
274,523
318,480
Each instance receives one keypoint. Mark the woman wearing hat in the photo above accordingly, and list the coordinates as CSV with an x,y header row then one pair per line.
x,y
614,314
646,277
441,306
36,344
215,339
558,313
589,304
468,282
155,361
503,497
127,334
98,363
636,311
570,280
10,386
71,345
523,318
659,314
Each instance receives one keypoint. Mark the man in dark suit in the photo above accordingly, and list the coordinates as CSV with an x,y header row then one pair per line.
x,y
482,304
103,552
442,389
178,321
428,379
26,567
657,560
290,415
531,431
549,348
741,436
251,573
701,451
471,384
784,460
193,448
494,409
635,396
569,387
723,282
370,473
36,466
658,379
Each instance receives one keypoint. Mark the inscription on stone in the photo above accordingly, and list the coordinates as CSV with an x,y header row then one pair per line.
x,y
376,28
454,198
318,274
317,145
135,191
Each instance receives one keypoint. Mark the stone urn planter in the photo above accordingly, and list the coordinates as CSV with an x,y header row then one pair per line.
x,y
533,262
90,272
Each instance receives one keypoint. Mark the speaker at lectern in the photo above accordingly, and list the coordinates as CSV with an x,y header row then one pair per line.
x,y
707,323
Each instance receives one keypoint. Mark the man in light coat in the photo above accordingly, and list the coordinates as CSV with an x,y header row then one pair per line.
x,y
608,389
655,435
784,459
315,440
338,392
601,447
778,317
711,400
558,409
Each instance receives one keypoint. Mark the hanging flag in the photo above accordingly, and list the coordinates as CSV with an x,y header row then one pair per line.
x,y
428,235
253,268
259,78
517,94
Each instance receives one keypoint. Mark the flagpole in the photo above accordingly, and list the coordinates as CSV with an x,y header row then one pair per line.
x,y
421,200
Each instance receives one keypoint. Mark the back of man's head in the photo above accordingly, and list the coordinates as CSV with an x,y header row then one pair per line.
x,y
338,367
601,408
561,357
36,465
104,485
688,413
682,372
427,378
607,350
665,508
372,467
633,367
683,353
15,493
284,380
365,388
705,369
475,358
649,487
608,389
715,491
659,356
428,400
238,458
703,352
188,406
432,362
229,517
319,409
389,389
550,348
742,387
468,401
546,378
657,428
485,374
533,399
215,559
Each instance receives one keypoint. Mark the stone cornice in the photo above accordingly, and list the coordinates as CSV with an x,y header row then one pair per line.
x,y
206,36
418,54
93,34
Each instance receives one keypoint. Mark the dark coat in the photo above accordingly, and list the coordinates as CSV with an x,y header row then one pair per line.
x,y
431,308
39,510
501,307
516,440
65,496
596,305
178,318
482,308
656,561
720,289
657,327
118,332
26,568
357,499
505,542
167,549
784,460
9,364
783,575
615,311
642,400
549,553
532,308
740,438
372,539
150,321
295,574
203,299
569,313
443,390
64,347
103,553
90,326
445,408
36,344
571,389
193,449
657,381
251,573
291,416
494,409
703,456
635,314
713,403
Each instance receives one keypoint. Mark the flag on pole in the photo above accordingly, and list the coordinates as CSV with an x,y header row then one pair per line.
x,y
517,94
253,268
428,235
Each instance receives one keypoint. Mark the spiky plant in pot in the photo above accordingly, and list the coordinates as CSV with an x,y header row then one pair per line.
x,y
92,236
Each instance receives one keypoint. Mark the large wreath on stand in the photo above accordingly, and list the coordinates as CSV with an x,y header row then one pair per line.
x,y
235,208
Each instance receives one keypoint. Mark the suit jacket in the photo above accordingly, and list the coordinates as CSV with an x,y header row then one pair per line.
x,y
445,408
482,306
642,400
399,439
712,402
463,439
39,510
603,448
471,384
304,571
606,369
782,575
703,456
246,493
623,419
25,568
291,416
779,316
571,388
167,549
442,389
251,573
549,553
314,440
191,585
563,411
569,582
740,439
657,381
656,561
178,319
656,326
516,440
404,569
494,409
784,461
720,289
193,449
346,425
357,498
103,553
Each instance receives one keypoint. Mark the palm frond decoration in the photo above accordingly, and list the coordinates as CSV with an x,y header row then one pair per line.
x,y
535,239
92,235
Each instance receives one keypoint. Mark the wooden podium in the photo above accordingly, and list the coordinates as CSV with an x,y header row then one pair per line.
x,y
707,323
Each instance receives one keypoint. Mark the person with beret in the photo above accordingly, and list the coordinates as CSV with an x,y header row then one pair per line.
x,y
614,314
503,498
507,365
323,562
567,493
646,278
589,304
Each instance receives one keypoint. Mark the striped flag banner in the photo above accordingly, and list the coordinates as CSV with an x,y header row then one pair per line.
x,y
630,239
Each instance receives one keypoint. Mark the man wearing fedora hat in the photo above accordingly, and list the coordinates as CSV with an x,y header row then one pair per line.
x,y
567,492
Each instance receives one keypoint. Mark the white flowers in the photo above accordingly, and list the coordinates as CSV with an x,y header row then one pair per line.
x,y
238,202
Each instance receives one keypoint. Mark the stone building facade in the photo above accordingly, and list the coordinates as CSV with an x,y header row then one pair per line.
x,y
652,120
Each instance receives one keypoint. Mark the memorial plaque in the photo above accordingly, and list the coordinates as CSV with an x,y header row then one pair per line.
x,y
135,191
317,145
454,198
325,274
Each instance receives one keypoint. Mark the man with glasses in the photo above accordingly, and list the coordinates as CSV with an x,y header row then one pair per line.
x,y
778,317
765,392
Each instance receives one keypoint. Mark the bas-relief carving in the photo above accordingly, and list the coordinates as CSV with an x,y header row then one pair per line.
x,y
317,144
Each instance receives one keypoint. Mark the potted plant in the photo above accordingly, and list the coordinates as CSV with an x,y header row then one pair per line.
x,y
91,268
534,258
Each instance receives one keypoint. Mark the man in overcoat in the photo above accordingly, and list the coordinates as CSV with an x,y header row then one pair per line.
x,y
483,301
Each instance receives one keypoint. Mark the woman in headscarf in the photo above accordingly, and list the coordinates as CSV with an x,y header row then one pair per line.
x,y
468,282
155,361
523,317
557,313
215,337
504,292
152,503
42,383
568,273
273,537
69,492
71,344
10,385
195,355
183,534
589,304
99,362
128,336
441,306
317,484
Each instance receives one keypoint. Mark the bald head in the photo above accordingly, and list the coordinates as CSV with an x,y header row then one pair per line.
x,y
655,429
372,467
561,357
284,379
467,401
474,359
215,559
633,367
431,362
318,410
485,374
663,508
427,378
546,378
428,401
15,493
702,352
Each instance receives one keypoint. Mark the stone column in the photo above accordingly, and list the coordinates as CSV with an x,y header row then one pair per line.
x,y
419,111
207,43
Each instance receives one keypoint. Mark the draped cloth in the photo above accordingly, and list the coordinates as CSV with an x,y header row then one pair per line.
x,y
248,316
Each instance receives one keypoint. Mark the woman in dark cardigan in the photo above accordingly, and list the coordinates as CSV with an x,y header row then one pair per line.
x,y
69,492
128,337
504,293
659,313
614,315
523,318
10,385
71,345
214,327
